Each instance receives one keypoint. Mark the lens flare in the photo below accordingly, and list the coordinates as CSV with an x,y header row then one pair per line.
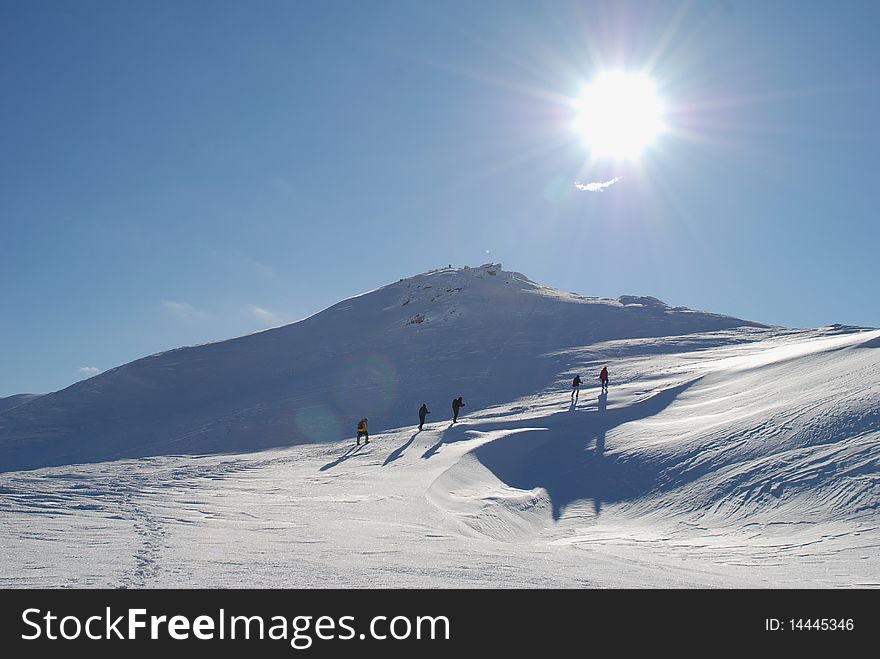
x,y
366,383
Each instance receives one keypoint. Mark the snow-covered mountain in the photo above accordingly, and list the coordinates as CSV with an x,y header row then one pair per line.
x,y
725,453
483,333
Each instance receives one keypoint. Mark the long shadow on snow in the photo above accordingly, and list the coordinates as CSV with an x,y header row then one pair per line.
x,y
342,458
396,453
568,459
446,437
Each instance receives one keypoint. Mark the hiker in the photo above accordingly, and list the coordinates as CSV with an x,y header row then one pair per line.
x,y
575,388
423,411
603,376
362,432
457,404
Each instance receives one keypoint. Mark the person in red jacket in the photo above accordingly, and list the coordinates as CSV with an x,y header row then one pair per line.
x,y
603,376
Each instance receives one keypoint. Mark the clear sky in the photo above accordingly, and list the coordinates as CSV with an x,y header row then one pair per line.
x,y
178,172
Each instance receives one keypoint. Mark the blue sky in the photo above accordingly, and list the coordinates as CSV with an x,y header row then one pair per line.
x,y
178,172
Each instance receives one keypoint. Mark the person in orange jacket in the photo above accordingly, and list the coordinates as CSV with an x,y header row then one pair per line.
x,y
362,432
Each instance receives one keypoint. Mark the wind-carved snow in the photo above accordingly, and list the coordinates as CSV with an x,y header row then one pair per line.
x,y
724,454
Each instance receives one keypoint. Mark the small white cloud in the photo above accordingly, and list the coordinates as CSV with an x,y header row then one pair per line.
x,y
247,264
596,186
183,309
264,315
89,371
262,269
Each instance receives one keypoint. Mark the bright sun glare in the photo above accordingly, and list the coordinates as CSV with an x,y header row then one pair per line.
x,y
618,115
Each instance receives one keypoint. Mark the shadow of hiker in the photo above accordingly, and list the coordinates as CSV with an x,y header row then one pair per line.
x,y
396,453
455,432
599,451
342,458
558,460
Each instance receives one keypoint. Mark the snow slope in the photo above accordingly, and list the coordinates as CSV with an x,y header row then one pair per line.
x,y
484,333
14,401
732,456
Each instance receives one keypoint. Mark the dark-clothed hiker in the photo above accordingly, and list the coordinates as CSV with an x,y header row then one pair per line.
x,y
457,404
423,411
575,388
362,431
603,376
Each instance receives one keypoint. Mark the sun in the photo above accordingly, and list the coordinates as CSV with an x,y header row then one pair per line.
x,y
618,115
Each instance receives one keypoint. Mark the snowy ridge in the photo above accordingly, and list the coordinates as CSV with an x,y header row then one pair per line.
x,y
491,333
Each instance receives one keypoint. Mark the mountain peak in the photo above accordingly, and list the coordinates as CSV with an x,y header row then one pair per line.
x,y
464,273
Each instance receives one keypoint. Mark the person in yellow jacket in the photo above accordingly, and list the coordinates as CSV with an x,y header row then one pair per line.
x,y
362,432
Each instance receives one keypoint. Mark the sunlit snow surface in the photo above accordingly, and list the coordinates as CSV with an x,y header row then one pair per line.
x,y
736,458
